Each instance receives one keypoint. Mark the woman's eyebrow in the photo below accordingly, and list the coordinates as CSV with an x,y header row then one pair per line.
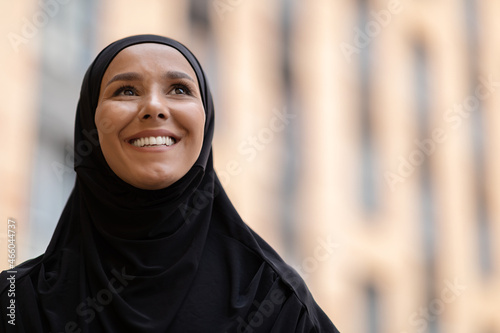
x,y
129,76
133,76
177,75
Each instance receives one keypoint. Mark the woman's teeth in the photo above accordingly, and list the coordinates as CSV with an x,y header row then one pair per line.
x,y
153,141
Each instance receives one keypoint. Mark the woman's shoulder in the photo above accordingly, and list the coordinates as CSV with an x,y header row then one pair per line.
x,y
279,296
15,275
243,245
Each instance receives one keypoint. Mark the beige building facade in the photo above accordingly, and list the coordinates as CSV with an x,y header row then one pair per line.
x,y
358,137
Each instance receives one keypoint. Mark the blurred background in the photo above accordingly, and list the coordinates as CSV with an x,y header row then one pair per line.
x,y
356,136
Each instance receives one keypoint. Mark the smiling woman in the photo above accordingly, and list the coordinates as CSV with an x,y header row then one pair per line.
x,y
148,240
158,115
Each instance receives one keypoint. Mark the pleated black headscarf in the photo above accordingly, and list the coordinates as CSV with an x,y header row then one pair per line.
x,y
178,259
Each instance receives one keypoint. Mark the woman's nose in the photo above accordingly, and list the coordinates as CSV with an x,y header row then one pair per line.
x,y
154,107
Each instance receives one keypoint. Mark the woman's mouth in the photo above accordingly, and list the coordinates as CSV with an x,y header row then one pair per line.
x,y
152,141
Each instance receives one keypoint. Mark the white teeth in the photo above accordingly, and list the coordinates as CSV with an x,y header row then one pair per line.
x,y
153,141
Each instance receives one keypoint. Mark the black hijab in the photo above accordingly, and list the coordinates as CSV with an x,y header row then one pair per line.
x,y
179,259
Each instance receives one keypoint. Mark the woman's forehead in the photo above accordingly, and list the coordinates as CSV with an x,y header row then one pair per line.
x,y
152,56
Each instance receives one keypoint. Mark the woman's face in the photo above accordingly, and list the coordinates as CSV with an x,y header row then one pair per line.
x,y
150,95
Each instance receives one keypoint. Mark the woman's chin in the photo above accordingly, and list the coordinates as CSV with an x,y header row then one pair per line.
x,y
153,182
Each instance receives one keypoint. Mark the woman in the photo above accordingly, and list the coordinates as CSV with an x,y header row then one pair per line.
x,y
148,240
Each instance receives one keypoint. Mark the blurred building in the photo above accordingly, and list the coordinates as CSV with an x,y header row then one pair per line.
x,y
357,137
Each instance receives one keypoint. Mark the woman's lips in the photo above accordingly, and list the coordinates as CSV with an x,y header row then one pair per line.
x,y
152,141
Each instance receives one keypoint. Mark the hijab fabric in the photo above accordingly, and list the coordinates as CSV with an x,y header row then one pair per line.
x,y
178,259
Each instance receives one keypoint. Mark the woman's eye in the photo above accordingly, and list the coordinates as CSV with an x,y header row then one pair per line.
x,y
181,90
125,91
